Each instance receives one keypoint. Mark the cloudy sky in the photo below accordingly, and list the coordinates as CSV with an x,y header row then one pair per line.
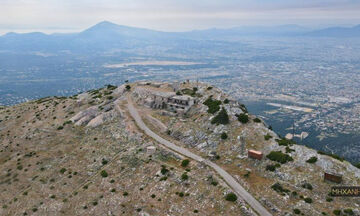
x,y
173,15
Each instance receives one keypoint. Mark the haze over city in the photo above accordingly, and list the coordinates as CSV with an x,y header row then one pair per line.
x,y
71,16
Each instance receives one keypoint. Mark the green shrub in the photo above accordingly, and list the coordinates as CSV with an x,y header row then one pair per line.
x,y
284,142
62,170
196,211
164,178
125,193
243,118
111,87
60,128
178,93
337,212
312,160
185,163
213,182
224,136
332,155
307,186
297,211
349,211
221,118
308,200
213,105
209,88
104,174
272,167
164,170
128,87
329,199
226,101
257,120
231,197
267,137
104,161
153,196
357,165
278,188
184,177
289,150
280,157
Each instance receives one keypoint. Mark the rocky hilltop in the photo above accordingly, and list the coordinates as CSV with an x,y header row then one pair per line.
x,y
85,155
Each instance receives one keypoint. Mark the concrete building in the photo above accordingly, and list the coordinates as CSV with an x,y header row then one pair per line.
x,y
255,154
170,101
332,177
150,150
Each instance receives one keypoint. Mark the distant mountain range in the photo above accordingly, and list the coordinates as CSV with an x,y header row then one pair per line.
x,y
337,32
106,35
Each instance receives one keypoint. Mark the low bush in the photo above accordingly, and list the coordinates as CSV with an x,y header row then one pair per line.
x,y
308,200
213,105
185,163
184,177
257,120
213,182
332,155
272,167
104,174
226,101
329,199
337,212
243,118
164,170
221,118
267,137
357,165
349,211
230,197
62,170
312,160
278,188
104,161
307,186
164,178
280,157
289,150
111,87
297,211
284,142
224,136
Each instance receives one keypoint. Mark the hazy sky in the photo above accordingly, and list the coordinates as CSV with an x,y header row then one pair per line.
x,y
172,15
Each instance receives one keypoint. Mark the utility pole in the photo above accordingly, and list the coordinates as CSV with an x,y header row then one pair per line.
x,y
241,140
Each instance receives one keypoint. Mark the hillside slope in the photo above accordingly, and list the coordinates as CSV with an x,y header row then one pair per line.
x,y
84,155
